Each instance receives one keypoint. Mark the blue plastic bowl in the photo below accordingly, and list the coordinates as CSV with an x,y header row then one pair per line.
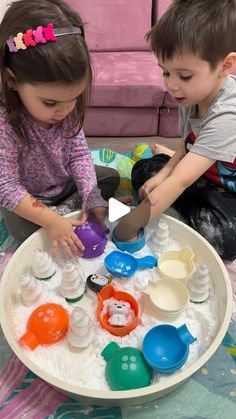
x,y
133,246
166,348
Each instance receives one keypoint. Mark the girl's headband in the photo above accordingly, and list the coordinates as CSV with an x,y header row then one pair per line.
x,y
40,35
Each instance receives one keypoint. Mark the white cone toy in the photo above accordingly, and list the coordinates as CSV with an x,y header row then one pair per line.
x,y
32,290
43,266
80,332
198,285
160,237
72,286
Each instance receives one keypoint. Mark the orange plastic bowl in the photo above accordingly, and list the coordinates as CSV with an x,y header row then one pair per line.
x,y
108,292
47,324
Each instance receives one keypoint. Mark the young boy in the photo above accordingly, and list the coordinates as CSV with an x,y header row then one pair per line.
x,y
195,44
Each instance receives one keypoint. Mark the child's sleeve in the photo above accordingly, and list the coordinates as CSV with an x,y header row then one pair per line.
x,y
12,191
83,172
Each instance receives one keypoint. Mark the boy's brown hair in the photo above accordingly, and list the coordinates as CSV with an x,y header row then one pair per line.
x,y
65,61
201,27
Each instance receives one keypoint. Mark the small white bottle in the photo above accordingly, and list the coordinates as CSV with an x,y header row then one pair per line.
x,y
198,285
32,290
43,266
72,286
80,331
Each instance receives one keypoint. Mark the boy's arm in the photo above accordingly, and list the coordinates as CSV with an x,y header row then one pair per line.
x,y
186,172
164,172
179,154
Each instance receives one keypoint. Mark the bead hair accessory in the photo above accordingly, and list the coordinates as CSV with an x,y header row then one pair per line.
x,y
40,35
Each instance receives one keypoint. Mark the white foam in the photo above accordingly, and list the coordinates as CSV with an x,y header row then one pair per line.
x,y
87,369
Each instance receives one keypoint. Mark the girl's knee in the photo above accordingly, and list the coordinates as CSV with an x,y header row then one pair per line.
x,y
108,181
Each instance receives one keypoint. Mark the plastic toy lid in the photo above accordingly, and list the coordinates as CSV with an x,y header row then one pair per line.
x,y
166,347
109,350
93,236
126,368
47,324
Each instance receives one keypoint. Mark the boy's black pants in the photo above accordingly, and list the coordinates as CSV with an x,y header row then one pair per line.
x,y
207,208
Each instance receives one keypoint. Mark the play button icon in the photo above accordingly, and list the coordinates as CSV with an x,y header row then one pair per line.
x,y
116,209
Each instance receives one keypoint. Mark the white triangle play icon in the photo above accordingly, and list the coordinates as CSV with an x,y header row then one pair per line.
x,y
116,210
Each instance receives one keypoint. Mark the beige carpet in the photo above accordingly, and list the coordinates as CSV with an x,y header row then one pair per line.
x,y
126,144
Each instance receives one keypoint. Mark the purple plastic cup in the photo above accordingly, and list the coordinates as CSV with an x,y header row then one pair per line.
x,y
93,236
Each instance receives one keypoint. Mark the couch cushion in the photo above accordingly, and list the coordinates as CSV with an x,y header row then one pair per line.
x,y
168,122
169,102
118,25
159,7
121,122
130,79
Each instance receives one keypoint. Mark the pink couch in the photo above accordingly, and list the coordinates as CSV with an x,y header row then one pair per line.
x,y
129,97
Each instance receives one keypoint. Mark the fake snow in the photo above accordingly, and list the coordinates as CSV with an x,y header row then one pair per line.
x,y
86,367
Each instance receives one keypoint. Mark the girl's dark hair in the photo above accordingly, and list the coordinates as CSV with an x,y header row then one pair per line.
x,y
64,61
203,27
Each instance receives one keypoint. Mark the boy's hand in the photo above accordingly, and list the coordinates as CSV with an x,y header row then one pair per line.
x,y
97,213
145,190
100,214
61,233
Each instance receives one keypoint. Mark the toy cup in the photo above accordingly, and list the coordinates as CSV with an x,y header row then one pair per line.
x,y
169,297
177,264
122,264
126,368
46,325
166,348
133,246
108,292
93,236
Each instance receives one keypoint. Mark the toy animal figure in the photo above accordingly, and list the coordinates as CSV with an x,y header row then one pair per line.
x,y
119,312
96,282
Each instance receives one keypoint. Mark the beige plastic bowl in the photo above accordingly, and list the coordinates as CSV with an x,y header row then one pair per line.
x,y
169,296
20,262
177,264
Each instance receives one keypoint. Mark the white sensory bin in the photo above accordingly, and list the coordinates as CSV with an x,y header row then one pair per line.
x,y
81,373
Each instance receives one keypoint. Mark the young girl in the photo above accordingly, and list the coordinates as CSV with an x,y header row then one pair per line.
x,y
46,77
195,47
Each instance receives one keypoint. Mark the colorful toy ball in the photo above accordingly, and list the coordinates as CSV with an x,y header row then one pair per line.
x,y
47,324
93,236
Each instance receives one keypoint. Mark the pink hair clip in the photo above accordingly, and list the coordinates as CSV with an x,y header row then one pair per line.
x,y
40,35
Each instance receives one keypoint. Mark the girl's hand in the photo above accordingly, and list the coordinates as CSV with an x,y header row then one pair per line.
x,y
61,233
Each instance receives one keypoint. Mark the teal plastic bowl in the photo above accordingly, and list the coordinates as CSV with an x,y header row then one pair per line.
x,y
133,246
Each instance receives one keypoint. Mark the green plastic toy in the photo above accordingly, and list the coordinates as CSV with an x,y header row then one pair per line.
x,y
126,368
